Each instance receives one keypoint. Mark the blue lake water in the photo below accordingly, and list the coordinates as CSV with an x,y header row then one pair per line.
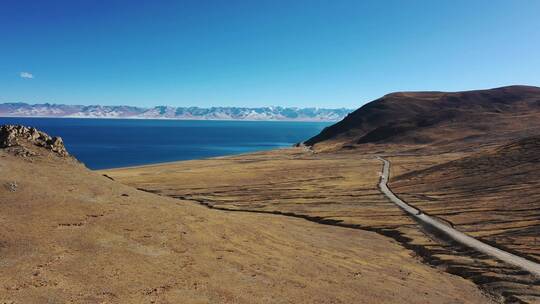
x,y
111,143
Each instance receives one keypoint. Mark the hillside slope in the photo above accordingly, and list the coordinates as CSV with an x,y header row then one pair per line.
x,y
69,235
494,194
439,118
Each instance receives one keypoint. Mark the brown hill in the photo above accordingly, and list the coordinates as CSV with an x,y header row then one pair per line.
x,y
439,117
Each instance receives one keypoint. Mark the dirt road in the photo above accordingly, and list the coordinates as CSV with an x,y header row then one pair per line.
x,y
456,235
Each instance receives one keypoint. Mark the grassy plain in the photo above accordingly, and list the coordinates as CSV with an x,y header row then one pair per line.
x,y
70,235
339,189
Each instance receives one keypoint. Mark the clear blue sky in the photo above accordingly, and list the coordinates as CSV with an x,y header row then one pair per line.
x,y
255,53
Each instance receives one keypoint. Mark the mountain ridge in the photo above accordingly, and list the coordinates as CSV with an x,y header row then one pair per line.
x,y
167,112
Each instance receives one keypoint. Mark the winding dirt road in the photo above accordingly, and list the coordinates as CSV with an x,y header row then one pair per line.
x,y
456,235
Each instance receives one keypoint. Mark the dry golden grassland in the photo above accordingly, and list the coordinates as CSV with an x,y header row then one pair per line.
x,y
338,188
69,235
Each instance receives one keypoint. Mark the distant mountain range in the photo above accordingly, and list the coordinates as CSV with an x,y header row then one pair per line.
x,y
166,112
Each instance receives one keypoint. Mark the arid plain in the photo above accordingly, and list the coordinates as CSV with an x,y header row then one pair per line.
x,y
340,190
301,225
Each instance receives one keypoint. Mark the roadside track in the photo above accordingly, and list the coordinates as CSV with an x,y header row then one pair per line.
x,y
454,234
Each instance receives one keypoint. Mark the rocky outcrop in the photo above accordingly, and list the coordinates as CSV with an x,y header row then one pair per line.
x,y
22,140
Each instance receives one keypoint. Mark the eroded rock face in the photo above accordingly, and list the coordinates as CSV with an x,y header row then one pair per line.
x,y
21,139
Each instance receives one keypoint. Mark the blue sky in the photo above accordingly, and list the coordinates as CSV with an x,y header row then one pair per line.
x,y
255,53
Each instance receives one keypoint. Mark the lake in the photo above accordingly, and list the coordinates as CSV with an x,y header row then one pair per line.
x,y
112,143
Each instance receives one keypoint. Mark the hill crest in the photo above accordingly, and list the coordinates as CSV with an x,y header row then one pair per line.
x,y
431,117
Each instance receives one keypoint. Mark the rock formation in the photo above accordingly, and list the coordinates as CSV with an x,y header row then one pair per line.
x,y
21,140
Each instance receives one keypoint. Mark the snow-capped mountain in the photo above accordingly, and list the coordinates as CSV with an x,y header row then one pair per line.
x,y
167,112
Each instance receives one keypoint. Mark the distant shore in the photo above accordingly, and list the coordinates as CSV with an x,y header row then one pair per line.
x,y
174,119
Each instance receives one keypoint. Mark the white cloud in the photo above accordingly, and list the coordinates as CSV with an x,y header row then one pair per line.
x,y
26,75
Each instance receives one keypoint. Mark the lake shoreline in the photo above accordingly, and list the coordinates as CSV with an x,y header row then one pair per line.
x,y
116,143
